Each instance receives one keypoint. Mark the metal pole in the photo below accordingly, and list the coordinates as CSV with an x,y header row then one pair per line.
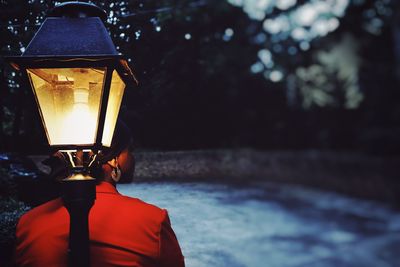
x,y
79,197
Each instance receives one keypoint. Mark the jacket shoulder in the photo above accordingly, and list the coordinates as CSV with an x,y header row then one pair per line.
x,y
41,212
144,208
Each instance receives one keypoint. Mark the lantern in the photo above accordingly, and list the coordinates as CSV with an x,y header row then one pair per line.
x,y
77,76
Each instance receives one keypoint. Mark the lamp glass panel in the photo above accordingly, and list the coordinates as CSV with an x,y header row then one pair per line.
x,y
69,101
114,103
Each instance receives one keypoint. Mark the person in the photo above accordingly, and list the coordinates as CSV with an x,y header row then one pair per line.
x,y
123,231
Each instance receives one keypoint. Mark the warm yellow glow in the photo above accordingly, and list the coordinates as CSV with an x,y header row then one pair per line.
x,y
84,123
69,100
78,177
114,102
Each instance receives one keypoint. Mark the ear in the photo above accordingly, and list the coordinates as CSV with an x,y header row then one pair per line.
x,y
116,172
113,162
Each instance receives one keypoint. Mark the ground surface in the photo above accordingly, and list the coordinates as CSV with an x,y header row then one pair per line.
x,y
273,225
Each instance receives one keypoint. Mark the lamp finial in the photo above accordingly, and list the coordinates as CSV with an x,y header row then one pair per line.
x,y
74,9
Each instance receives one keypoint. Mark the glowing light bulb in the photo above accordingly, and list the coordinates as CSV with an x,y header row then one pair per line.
x,y
80,122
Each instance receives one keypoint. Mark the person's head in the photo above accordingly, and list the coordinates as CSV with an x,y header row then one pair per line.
x,y
117,163
120,168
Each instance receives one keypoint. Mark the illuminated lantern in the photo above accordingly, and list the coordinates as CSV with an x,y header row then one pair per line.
x,y
77,76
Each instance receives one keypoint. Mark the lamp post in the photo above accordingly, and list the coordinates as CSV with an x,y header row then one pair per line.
x,y
78,80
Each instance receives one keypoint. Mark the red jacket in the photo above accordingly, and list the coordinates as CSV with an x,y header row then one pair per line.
x,y
123,231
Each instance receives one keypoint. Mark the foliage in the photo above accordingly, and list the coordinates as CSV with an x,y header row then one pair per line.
x,y
8,186
292,31
10,211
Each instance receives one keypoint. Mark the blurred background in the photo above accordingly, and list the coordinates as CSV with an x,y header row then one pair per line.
x,y
277,120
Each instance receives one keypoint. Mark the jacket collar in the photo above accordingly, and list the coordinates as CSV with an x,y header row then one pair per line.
x,y
105,187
